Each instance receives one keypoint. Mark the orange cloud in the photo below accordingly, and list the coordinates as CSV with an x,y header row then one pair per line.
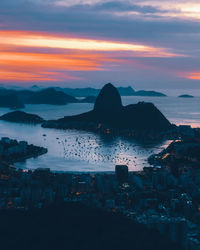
x,y
193,75
28,66
45,40
10,76
36,56
37,61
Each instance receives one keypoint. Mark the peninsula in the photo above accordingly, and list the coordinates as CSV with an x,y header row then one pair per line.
x,y
109,114
18,98
12,151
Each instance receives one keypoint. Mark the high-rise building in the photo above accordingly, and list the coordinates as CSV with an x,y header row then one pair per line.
x,y
121,172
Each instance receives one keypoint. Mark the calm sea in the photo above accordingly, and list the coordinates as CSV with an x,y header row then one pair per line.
x,y
73,150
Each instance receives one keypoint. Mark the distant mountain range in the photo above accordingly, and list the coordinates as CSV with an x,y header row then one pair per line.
x,y
186,96
124,91
16,99
108,112
85,92
21,117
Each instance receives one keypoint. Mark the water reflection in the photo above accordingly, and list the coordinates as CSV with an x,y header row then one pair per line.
x,y
73,150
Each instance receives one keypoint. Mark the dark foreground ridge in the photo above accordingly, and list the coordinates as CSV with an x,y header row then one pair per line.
x,y
108,111
74,226
21,117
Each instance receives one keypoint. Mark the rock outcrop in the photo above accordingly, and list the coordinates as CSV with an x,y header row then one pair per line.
x,y
108,100
108,110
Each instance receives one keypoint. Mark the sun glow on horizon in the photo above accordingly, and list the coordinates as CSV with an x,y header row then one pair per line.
x,y
193,75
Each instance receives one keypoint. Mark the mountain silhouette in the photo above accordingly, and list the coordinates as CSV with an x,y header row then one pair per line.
x,y
108,100
108,110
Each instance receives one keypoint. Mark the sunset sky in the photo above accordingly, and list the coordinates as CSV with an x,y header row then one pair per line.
x,y
143,43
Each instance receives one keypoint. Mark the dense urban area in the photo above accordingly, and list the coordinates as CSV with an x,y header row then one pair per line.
x,y
165,197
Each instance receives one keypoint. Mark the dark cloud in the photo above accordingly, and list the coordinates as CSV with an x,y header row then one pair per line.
x,y
87,20
125,6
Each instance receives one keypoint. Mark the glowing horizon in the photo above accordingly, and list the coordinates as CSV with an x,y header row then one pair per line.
x,y
193,75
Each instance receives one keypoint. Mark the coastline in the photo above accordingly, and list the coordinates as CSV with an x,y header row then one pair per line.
x,y
29,156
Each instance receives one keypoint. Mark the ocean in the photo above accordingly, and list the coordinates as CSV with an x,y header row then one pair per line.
x,y
81,151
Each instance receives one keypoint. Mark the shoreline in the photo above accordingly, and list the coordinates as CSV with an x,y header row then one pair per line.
x,y
29,156
149,197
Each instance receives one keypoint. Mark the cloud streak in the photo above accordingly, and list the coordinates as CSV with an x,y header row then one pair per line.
x,y
64,54
28,39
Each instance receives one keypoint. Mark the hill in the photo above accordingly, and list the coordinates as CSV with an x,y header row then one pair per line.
x,y
108,110
11,101
123,91
148,93
21,117
73,227
44,96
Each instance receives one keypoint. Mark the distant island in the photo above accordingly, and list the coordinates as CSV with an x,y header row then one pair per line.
x,y
22,117
186,96
148,93
16,99
109,113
